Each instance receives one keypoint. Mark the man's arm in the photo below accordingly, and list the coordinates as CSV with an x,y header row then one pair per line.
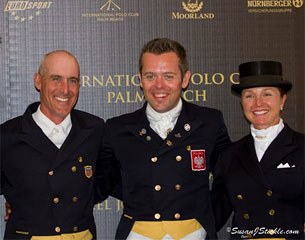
x,y
107,174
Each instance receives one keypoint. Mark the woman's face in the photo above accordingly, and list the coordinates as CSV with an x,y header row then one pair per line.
x,y
262,106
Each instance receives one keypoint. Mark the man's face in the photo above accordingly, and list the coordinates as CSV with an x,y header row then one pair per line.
x,y
58,84
161,80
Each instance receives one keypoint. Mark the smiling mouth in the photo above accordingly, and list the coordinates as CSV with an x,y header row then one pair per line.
x,y
62,99
160,95
259,113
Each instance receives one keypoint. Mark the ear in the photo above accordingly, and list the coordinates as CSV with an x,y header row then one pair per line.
x,y
284,98
186,79
37,81
139,76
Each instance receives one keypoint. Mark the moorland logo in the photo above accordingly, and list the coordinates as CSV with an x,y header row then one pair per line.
x,y
192,11
273,6
110,11
24,11
192,7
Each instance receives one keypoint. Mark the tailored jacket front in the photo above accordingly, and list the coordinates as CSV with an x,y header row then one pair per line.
x,y
50,190
159,183
266,197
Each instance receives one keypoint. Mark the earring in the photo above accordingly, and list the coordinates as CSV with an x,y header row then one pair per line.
x,y
282,108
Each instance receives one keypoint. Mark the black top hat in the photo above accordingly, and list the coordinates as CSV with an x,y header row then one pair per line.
x,y
260,74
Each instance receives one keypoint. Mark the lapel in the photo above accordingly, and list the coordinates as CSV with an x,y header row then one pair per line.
x,y
139,127
247,158
281,146
78,134
186,124
33,135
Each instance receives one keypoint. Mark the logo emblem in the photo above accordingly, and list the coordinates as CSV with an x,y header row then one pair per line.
x,y
88,171
192,7
198,160
297,3
110,5
26,10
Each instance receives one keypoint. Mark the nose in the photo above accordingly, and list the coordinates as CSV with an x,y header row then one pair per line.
x,y
159,81
65,86
258,101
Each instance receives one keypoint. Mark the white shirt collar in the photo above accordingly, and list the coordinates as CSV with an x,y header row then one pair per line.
x,y
163,123
156,116
267,134
264,137
47,125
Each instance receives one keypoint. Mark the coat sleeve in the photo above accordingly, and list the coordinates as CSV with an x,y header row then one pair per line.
x,y
1,157
222,140
221,204
107,175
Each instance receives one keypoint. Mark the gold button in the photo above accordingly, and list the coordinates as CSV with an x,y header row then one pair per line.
x,y
74,199
169,143
271,212
75,229
157,187
178,158
240,197
157,216
269,193
246,216
57,229
177,216
177,187
56,200
188,148
248,235
80,159
73,169
211,176
154,159
51,173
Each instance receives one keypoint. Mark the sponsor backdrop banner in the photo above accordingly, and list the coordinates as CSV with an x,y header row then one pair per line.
x,y
107,36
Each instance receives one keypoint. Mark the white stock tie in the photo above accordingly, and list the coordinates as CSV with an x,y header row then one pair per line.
x,y
164,126
58,135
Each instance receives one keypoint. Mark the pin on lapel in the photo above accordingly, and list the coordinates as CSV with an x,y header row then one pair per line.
x,y
169,143
142,132
88,171
187,127
178,135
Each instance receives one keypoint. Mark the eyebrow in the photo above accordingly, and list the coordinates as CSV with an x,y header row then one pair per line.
x,y
160,73
69,78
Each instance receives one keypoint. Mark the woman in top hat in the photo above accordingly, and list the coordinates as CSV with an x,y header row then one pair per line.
x,y
260,178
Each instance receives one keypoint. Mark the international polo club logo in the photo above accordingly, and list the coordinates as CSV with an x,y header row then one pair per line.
x,y
24,11
110,5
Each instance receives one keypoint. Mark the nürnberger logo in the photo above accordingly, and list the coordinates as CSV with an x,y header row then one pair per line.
x,y
19,9
273,6
192,11
297,3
